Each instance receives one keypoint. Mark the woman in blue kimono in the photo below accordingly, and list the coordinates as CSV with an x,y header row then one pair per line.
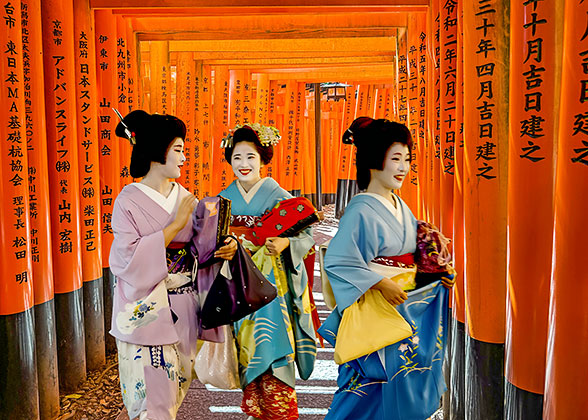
x,y
280,335
373,249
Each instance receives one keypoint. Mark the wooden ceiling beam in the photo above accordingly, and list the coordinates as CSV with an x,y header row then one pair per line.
x,y
314,45
263,34
407,5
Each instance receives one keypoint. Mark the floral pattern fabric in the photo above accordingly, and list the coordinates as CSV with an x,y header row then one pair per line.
x,y
268,398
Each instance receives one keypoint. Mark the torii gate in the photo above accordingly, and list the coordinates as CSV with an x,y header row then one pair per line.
x,y
493,91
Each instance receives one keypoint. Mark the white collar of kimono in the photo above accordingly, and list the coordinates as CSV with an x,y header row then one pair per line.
x,y
248,195
396,211
167,203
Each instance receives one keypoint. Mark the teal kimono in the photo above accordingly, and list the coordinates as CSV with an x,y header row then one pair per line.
x,y
281,334
402,381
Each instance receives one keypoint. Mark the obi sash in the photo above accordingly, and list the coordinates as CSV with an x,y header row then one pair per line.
x,y
180,263
400,268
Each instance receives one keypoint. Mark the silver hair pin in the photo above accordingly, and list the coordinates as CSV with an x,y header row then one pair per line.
x,y
130,135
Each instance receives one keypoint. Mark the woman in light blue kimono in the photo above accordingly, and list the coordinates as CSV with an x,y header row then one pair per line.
x,y
280,335
373,249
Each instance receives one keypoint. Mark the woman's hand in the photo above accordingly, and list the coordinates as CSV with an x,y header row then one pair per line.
x,y
449,280
227,252
275,245
391,291
185,210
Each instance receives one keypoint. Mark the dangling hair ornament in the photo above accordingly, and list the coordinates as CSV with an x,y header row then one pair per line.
x,y
268,135
130,135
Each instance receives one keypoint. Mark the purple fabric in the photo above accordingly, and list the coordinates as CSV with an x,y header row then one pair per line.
x,y
138,260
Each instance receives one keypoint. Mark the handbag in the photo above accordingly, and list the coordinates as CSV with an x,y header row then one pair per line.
x,y
216,363
369,324
287,218
236,294
432,255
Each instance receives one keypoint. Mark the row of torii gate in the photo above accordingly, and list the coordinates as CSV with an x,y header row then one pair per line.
x,y
494,92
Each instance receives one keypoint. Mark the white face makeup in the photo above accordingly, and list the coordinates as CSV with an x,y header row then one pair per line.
x,y
174,160
246,163
396,167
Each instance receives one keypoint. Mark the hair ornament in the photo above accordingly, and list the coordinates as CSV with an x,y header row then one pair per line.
x,y
267,134
348,137
130,134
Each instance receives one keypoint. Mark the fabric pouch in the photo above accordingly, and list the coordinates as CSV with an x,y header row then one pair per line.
x,y
369,324
216,363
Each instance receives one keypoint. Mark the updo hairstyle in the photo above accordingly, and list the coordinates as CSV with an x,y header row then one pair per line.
x,y
373,138
248,134
153,135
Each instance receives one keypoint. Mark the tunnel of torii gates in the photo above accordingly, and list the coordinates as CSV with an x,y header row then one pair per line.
x,y
495,94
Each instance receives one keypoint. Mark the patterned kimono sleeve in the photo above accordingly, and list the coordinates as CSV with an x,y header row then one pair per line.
x,y
355,244
138,261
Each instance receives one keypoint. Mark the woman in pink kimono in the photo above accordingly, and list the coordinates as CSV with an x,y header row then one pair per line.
x,y
154,307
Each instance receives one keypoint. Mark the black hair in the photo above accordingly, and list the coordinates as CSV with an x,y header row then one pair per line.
x,y
373,138
248,134
153,135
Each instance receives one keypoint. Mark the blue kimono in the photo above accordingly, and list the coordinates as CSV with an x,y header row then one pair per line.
x,y
281,334
402,381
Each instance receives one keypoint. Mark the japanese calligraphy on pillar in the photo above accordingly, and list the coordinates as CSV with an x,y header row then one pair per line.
x,y
36,140
122,94
290,121
16,287
534,113
87,114
236,97
247,98
62,146
197,130
105,36
402,78
188,119
422,87
206,150
486,148
580,127
413,98
448,61
298,121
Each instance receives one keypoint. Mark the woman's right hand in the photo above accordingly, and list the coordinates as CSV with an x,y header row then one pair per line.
x,y
185,210
391,291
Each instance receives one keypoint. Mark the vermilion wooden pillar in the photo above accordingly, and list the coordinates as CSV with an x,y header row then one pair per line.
x,y
485,174
18,381
457,377
89,170
62,151
40,228
221,170
534,70
567,349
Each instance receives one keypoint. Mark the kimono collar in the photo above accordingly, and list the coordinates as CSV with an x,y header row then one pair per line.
x,y
167,203
396,211
248,195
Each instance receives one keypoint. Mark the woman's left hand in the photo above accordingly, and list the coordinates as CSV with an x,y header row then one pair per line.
x,y
449,280
227,252
275,245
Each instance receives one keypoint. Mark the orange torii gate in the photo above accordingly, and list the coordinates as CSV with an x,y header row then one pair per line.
x,y
480,164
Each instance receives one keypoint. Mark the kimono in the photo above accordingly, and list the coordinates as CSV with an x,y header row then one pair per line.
x,y
404,380
154,307
274,339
